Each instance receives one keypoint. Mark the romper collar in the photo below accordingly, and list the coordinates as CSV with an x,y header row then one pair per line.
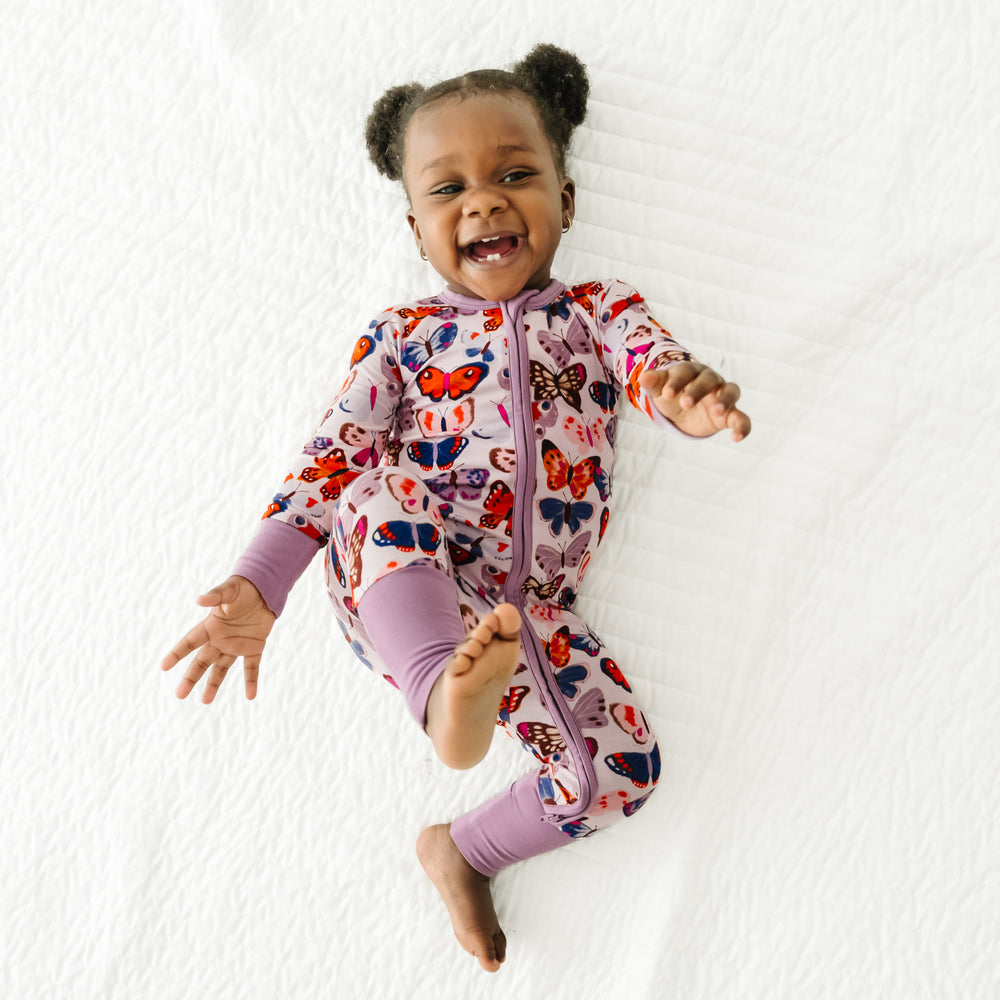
x,y
529,298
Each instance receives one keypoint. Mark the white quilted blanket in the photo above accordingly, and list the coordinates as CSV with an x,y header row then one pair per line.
x,y
191,238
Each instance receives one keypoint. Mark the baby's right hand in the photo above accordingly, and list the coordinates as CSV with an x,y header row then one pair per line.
x,y
238,625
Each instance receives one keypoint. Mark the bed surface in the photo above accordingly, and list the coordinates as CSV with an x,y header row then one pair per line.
x,y
191,239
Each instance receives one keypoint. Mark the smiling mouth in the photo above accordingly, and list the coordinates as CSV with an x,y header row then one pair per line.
x,y
492,249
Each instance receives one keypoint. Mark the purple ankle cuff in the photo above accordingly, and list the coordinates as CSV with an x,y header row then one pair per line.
x,y
413,620
508,828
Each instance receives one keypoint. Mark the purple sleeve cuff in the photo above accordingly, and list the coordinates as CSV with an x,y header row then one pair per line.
x,y
274,560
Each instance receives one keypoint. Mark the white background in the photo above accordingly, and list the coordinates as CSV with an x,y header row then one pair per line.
x,y
191,239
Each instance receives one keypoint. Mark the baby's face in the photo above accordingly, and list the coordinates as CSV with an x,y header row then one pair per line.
x,y
486,201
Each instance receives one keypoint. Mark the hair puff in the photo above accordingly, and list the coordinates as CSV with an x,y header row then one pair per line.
x,y
558,78
383,128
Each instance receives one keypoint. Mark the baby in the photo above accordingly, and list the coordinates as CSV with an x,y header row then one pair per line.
x,y
460,481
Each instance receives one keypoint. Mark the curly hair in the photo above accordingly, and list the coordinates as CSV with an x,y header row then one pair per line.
x,y
552,78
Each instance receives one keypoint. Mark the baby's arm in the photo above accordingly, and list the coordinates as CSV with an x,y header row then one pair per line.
x,y
238,625
696,399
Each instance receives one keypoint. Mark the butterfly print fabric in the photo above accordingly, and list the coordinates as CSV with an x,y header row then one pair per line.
x,y
478,438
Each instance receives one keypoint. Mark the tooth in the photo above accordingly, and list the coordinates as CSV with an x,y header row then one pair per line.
x,y
492,256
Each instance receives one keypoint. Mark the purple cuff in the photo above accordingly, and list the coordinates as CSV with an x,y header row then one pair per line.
x,y
508,828
414,622
274,560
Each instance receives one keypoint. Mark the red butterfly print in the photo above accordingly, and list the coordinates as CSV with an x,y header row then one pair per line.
x,y
499,504
578,478
620,306
558,647
494,319
447,419
612,670
511,701
362,349
605,517
582,293
416,316
437,384
333,468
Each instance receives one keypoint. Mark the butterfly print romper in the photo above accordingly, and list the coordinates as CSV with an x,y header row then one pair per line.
x,y
467,460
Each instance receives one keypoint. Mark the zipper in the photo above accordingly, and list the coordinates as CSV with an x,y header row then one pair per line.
x,y
522,425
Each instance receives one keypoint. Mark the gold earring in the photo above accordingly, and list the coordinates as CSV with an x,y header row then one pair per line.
x,y
423,256
567,223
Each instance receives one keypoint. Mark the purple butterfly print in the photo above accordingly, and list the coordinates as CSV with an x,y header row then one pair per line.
x,y
563,347
589,710
466,483
544,414
319,445
553,560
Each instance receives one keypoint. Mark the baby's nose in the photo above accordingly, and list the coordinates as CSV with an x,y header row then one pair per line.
x,y
484,200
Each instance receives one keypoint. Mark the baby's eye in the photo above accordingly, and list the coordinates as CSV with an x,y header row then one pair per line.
x,y
447,189
517,175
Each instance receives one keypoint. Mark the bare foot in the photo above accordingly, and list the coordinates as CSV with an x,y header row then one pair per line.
x,y
466,894
462,708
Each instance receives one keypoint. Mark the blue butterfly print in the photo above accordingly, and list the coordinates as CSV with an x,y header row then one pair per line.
x,y
635,805
639,768
569,677
427,454
558,308
604,394
561,512
400,534
419,350
578,830
585,643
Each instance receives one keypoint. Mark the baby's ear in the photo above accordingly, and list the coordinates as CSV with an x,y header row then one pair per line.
x,y
411,220
568,195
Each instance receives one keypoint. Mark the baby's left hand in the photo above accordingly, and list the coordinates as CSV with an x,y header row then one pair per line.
x,y
697,399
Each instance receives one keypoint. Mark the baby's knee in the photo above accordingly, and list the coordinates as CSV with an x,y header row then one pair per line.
x,y
627,775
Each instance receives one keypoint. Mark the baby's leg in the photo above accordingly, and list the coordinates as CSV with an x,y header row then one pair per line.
x,y
389,545
613,780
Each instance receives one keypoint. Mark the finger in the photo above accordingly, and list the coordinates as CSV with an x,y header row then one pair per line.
x,y
196,638
707,381
216,678
679,376
739,423
251,670
199,665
